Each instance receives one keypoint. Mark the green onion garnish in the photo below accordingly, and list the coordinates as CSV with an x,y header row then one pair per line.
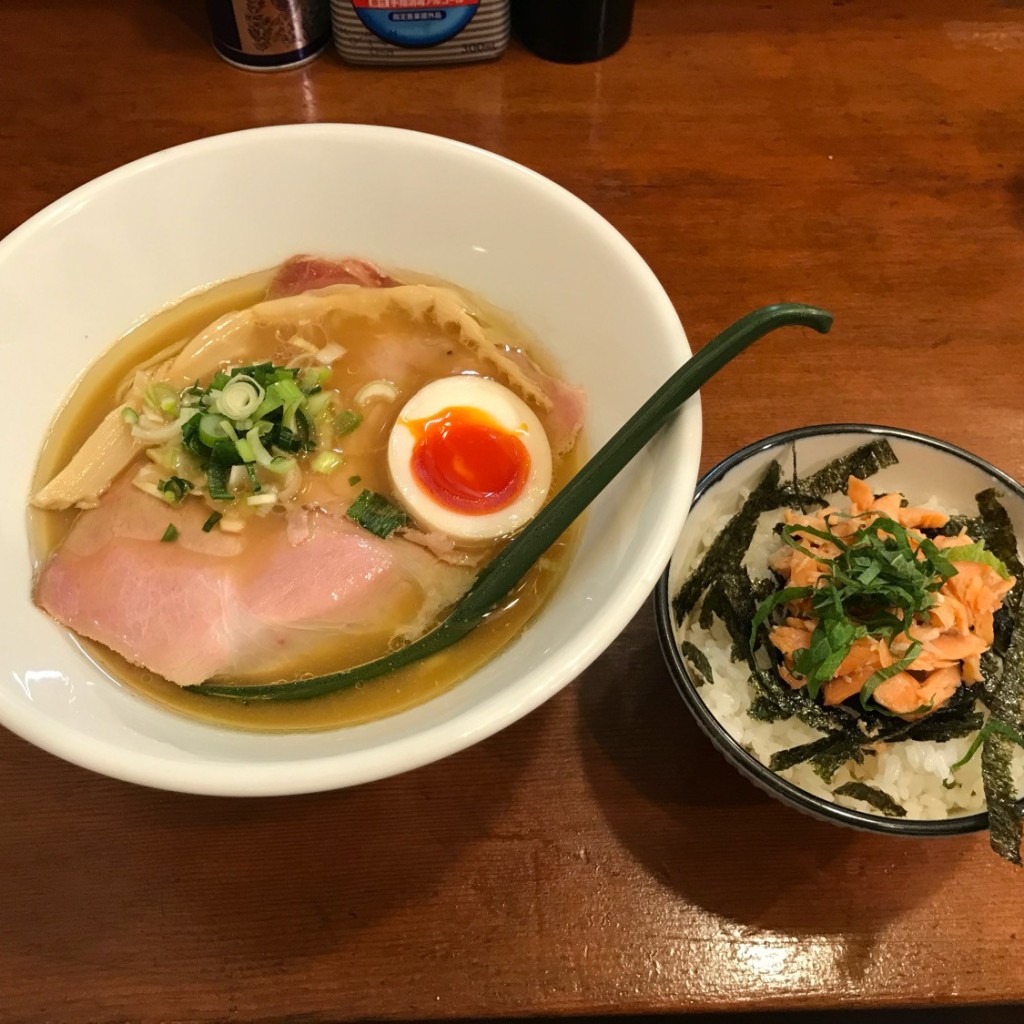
x,y
210,523
174,489
170,534
129,415
326,462
353,480
375,513
347,421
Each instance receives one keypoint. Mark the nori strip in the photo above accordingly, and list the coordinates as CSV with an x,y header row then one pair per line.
x,y
699,664
831,479
877,798
1003,692
727,550
731,599
826,755
996,530
776,701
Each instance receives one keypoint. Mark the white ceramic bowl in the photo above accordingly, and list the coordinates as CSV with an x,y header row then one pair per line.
x,y
84,270
927,468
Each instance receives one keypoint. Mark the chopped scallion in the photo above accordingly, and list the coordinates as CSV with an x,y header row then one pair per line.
x,y
375,513
129,415
170,534
353,480
212,521
174,489
326,462
347,421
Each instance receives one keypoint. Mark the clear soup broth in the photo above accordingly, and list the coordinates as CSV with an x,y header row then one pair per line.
x,y
93,398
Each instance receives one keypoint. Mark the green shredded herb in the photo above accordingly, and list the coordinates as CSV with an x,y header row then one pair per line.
x,y
353,480
212,521
375,513
170,534
873,587
871,795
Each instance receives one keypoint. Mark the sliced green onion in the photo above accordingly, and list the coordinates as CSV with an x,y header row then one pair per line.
x,y
347,421
287,390
376,389
174,489
353,480
217,482
244,450
262,499
281,465
213,520
314,377
129,415
276,464
375,513
316,404
211,429
326,462
241,397
170,534
162,399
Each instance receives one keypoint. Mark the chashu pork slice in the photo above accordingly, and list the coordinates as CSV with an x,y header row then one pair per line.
x,y
219,604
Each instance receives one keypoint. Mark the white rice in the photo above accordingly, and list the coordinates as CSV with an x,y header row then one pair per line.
x,y
912,772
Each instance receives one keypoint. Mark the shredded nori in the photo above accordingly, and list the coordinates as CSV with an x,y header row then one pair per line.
x,y
877,798
826,755
776,701
831,479
699,664
731,598
727,550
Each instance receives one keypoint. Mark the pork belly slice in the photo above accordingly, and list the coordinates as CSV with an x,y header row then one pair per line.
x,y
217,604
303,273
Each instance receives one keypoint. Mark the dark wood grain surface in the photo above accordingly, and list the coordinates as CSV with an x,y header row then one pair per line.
x,y
597,857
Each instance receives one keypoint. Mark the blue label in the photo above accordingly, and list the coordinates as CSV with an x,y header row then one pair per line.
x,y
415,24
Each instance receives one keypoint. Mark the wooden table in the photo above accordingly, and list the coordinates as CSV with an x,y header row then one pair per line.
x,y
599,856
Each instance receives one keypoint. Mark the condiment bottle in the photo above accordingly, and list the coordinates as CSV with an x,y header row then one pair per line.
x,y
400,32
264,35
572,31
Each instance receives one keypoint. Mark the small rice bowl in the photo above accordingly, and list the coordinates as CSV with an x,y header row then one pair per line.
x,y
915,774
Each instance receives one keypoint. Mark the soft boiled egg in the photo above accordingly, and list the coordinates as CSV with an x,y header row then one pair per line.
x,y
469,458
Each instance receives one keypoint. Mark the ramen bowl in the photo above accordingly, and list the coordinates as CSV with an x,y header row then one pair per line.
x,y
82,272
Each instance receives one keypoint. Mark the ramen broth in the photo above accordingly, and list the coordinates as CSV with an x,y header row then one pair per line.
x,y
362,339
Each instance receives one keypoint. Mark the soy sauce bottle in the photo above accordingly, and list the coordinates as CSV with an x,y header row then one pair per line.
x,y
572,31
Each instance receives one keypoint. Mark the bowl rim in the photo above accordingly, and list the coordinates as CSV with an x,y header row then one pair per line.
x,y
535,683
783,789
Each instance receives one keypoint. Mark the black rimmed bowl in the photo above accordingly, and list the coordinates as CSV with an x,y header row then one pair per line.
x,y
928,469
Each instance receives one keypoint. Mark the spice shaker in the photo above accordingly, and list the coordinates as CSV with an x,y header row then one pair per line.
x,y
572,31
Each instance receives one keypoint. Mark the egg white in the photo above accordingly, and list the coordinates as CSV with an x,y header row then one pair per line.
x,y
510,413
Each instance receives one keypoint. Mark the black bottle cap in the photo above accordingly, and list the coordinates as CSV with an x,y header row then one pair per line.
x,y
572,31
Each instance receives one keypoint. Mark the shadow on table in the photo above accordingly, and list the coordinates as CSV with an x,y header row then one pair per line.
x,y
707,833
245,881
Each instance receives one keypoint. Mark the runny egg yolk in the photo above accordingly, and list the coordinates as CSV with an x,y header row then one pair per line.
x,y
470,459
467,461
